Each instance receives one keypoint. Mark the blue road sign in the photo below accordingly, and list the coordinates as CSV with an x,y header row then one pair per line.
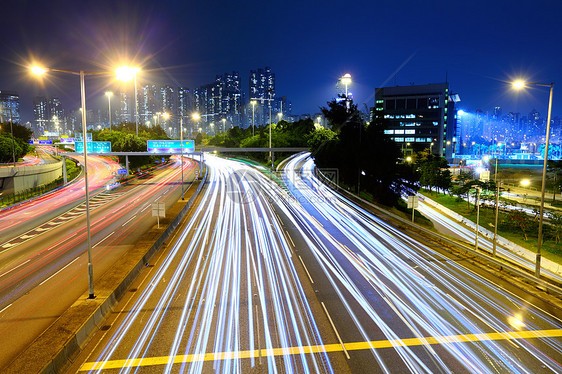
x,y
42,141
170,146
98,147
121,171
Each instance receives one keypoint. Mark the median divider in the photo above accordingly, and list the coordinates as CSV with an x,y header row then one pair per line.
x,y
56,348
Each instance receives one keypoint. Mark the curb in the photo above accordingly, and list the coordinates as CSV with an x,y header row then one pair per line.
x,y
55,349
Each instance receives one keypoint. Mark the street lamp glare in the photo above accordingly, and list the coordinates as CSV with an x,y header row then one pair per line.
x,y
518,84
166,115
196,116
346,79
108,93
126,73
37,70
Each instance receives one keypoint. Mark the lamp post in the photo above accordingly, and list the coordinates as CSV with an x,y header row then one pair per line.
x,y
40,71
109,94
224,127
253,102
125,74
496,220
519,85
477,214
167,116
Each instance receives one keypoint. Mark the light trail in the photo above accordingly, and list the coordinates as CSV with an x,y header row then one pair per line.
x,y
231,265
407,289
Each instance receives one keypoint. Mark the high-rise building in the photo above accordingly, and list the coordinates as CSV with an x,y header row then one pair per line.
x,y
262,90
185,102
219,100
40,114
148,103
124,113
9,106
421,116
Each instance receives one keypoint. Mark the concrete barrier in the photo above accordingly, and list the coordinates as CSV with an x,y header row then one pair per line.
x,y
21,178
54,350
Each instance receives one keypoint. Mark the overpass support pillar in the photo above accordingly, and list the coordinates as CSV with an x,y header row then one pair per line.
x,y
127,164
65,178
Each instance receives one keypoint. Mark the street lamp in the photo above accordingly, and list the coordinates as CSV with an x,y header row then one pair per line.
x,y
346,79
196,117
253,102
280,115
224,126
109,94
125,74
40,71
519,85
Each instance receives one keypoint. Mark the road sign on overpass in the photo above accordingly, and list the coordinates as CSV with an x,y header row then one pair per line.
x,y
170,146
93,147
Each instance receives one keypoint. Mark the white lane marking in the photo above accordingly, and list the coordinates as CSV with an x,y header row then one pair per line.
x,y
5,308
307,273
335,330
145,208
291,239
132,218
23,263
98,243
70,263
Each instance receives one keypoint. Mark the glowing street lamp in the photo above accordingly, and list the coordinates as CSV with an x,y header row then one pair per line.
x,y
346,79
109,94
37,70
125,74
520,84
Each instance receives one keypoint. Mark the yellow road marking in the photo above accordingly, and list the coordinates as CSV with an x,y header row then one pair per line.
x,y
375,344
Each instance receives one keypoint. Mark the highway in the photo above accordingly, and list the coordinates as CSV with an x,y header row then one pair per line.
x,y
44,270
23,217
226,295
413,308
292,277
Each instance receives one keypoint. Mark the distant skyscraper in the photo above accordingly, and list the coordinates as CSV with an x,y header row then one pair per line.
x,y
9,106
148,103
262,89
185,102
40,114
124,113
218,100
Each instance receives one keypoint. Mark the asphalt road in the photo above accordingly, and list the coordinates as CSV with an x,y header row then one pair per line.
x,y
414,309
225,296
284,275
44,270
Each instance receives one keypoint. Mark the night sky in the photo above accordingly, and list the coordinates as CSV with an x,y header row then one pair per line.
x,y
478,45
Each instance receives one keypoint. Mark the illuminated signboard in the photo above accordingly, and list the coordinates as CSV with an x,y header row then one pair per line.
x,y
97,147
170,146
66,140
44,141
88,137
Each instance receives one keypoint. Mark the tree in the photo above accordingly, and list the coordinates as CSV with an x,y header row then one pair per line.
x,y
554,167
556,225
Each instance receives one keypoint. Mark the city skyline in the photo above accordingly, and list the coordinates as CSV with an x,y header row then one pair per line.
x,y
477,48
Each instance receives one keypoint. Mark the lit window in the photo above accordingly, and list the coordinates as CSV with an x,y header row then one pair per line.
x,y
399,132
400,140
410,132
410,116
435,123
420,140
410,139
389,131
